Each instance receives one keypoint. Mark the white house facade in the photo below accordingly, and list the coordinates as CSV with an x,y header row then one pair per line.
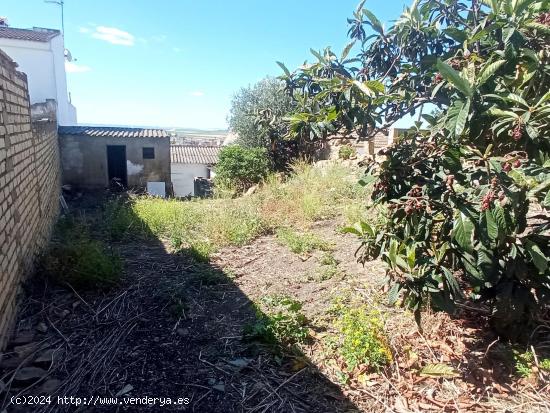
x,y
40,54
190,162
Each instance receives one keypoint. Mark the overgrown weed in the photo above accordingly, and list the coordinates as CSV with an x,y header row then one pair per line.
x,y
301,243
327,272
280,322
526,366
75,258
309,194
175,299
359,338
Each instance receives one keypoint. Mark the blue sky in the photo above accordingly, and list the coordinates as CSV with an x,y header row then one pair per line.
x,y
178,62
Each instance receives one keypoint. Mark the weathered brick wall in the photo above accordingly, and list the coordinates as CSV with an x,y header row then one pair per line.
x,y
29,185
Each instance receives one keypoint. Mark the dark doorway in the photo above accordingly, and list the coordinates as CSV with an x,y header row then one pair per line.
x,y
116,164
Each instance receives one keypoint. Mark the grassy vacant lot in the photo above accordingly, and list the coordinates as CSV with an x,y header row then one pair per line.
x,y
266,290
203,226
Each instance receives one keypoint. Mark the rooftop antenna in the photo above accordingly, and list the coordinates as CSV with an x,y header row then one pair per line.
x,y
59,3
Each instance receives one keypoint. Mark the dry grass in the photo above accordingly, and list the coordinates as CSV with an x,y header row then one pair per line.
x,y
308,195
311,194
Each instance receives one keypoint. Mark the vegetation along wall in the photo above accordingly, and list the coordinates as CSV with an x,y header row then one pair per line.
x,y
29,184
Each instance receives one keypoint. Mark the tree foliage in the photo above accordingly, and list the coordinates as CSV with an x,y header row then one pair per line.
x,y
240,167
259,117
257,113
469,198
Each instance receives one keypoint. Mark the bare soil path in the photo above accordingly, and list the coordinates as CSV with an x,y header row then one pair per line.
x,y
173,329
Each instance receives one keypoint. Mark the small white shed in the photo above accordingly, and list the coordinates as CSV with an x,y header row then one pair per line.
x,y
190,162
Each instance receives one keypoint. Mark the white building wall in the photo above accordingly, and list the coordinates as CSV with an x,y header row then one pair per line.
x,y
44,65
183,176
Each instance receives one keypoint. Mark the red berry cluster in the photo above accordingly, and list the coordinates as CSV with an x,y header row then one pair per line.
x,y
517,133
507,166
413,205
544,18
381,186
415,192
491,195
438,78
487,200
449,182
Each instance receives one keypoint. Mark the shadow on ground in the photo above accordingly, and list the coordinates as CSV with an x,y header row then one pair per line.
x,y
172,329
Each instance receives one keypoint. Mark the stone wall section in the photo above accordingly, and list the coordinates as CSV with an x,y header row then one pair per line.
x,y
29,185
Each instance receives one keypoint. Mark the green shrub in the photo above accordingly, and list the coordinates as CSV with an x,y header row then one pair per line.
x,y
301,243
462,193
281,323
241,167
468,196
75,258
346,152
361,339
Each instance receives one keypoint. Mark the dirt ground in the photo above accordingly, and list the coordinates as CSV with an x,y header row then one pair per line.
x,y
174,328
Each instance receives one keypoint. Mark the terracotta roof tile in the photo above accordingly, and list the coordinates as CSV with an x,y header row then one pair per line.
x,y
207,155
112,132
27,34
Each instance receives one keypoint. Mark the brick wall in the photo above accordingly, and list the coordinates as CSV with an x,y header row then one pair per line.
x,y
29,185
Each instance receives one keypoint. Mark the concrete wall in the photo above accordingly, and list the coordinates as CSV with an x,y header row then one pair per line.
x,y
183,176
29,185
44,65
84,160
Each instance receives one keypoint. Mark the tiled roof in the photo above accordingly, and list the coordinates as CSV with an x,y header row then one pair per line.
x,y
112,132
27,34
194,154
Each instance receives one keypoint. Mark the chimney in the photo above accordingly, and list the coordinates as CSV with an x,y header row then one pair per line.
x,y
4,22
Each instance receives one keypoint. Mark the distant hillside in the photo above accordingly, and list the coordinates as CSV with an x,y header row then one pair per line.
x,y
190,136
199,132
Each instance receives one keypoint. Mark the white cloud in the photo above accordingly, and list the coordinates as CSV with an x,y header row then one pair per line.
x,y
71,67
84,30
197,93
113,36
